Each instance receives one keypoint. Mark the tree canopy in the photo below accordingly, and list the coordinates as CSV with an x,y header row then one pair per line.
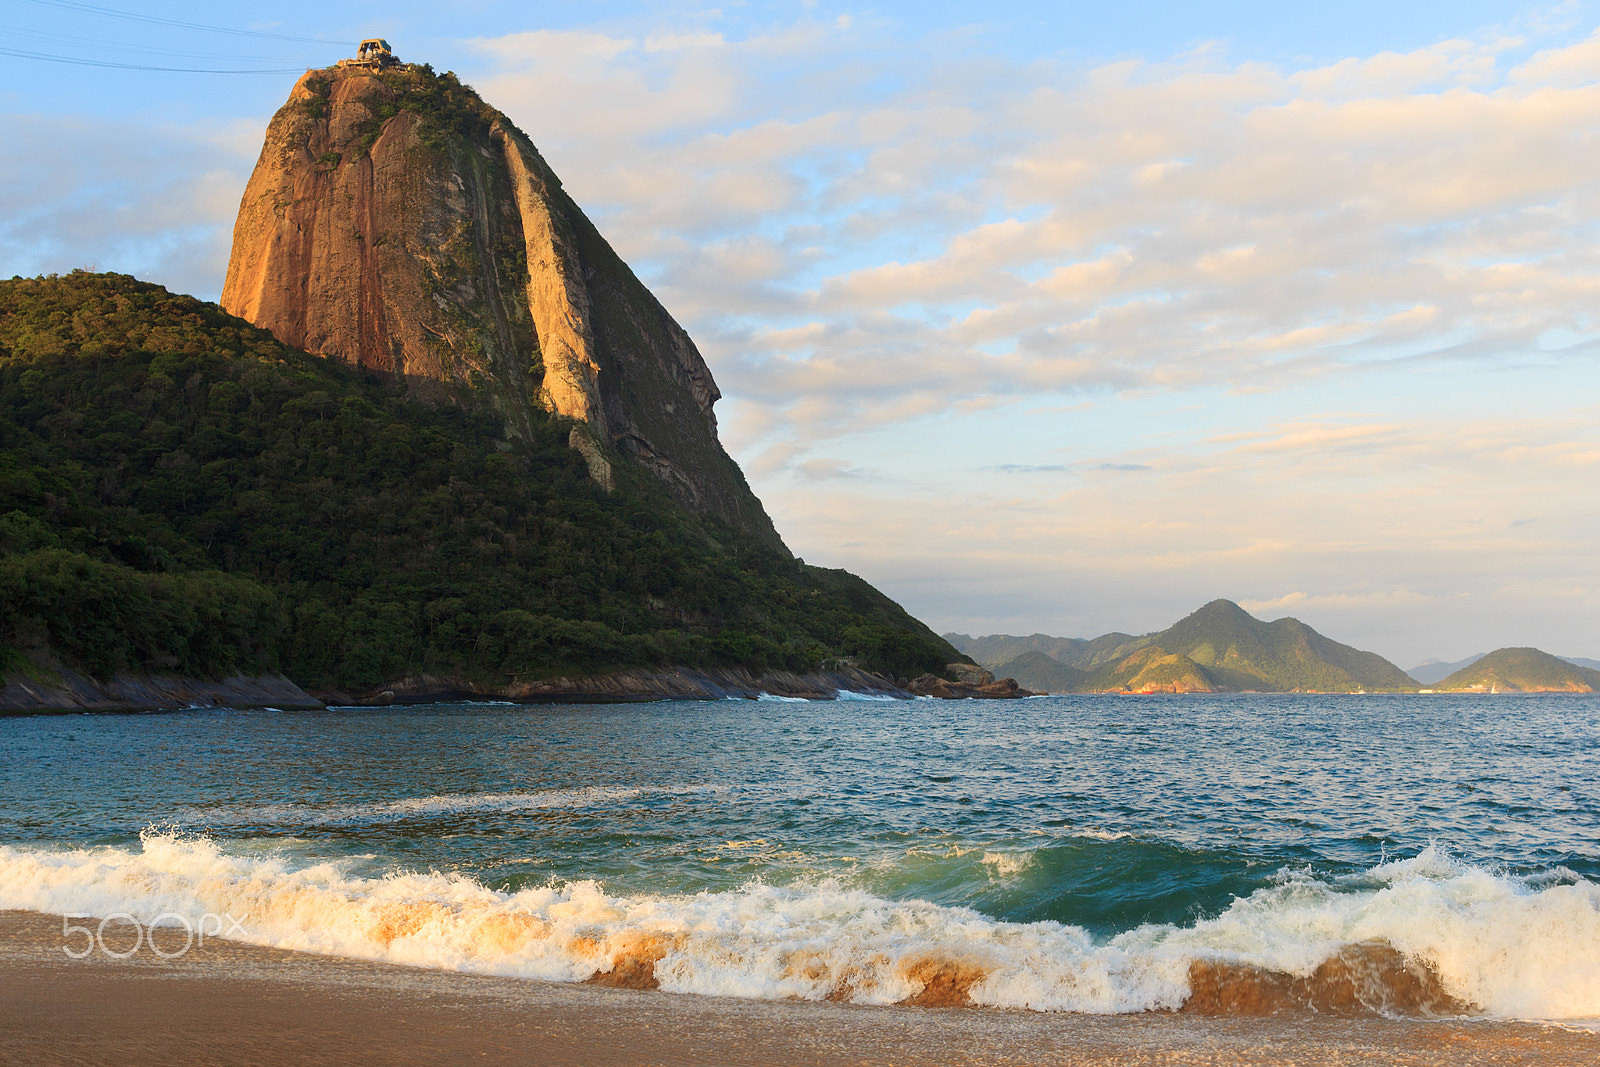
x,y
179,491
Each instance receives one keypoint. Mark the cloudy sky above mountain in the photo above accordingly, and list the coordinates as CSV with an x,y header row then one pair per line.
x,y
1057,317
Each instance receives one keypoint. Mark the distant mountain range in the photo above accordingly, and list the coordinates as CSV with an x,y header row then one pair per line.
x,y
1219,648
1222,648
1044,674
1433,670
1075,652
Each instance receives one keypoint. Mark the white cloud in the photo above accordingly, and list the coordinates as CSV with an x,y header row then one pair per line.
x,y
1137,226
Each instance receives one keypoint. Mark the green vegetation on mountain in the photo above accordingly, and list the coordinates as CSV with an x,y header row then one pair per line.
x,y
1218,647
1525,670
181,492
1152,670
1107,648
1039,673
1242,652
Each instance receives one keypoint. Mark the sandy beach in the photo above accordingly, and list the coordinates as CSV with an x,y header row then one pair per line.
x,y
230,1003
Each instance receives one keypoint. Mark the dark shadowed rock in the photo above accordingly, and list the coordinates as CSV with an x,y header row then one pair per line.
x,y
931,685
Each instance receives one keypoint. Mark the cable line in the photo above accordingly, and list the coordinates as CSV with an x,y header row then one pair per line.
x,y
19,54
156,19
123,46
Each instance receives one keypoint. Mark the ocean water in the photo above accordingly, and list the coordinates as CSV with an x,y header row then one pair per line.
x,y
1075,853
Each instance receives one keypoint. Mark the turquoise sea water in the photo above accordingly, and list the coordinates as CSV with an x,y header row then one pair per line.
x,y
1081,851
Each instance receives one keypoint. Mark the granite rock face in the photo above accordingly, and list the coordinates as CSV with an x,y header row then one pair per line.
x,y
396,222
970,674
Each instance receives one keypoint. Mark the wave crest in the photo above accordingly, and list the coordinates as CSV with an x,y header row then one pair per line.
x,y
1440,939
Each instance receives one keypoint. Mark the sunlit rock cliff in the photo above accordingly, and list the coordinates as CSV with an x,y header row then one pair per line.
x,y
397,222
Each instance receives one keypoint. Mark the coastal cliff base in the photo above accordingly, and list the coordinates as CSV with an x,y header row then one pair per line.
x,y
60,690
672,683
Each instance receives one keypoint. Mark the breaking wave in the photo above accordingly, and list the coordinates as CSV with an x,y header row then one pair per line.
x,y
1428,935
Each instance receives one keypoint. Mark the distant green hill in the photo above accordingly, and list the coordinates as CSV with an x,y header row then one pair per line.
x,y
1153,669
180,492
1524,670
1242,652
1434,671
1219,647
1041,674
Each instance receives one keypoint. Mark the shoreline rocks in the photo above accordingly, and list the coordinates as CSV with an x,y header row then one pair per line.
x,y
680,683
69,692
673,683
972,683
931,685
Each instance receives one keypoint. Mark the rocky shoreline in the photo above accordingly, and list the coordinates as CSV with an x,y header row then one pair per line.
x,y
676,683
687,683
60,690
68,692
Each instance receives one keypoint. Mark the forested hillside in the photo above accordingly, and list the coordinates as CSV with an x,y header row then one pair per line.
x,y
179,491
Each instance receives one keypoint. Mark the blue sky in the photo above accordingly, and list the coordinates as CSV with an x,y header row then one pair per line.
x,y
1058,317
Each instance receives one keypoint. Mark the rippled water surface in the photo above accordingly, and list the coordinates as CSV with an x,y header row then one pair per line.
x,y
1103,814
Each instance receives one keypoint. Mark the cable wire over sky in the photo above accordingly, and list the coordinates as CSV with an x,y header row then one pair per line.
x,y
123,47
20,54
120,55
156,19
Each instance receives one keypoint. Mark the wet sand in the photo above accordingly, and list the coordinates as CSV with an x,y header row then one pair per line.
x,y
229,1003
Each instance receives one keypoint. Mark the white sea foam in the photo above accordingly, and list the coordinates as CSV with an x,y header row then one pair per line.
x,y
1101,835
1005,864
774,698
443,804
849,694
1514,948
